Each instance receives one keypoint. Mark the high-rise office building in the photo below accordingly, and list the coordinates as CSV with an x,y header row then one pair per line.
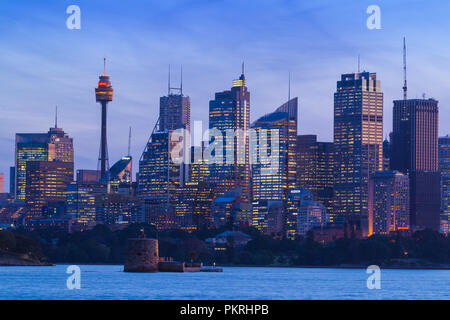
x,y
358,144
29,147
46,185
444,170
274,154
414,151
55,145
315,169
229,116
174,112
388,202
160,177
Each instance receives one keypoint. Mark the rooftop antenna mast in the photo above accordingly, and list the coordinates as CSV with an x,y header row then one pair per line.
x,y
405,84
129,143
181,81
289,89
359,63
180,89
56,117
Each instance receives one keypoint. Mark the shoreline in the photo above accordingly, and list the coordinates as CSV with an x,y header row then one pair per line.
x,y
362,267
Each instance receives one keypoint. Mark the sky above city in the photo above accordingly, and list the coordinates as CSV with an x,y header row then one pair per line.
x,y
44,64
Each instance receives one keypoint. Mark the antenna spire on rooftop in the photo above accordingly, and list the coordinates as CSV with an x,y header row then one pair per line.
x,y
359,63
405,83
104,66
129,143
56,117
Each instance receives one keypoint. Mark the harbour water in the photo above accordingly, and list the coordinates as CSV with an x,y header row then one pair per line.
x,y
110,282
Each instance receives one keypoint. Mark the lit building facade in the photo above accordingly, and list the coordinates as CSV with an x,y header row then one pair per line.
x,y
46,183
358,145
81,201
229,114
388,202
274,154
55,145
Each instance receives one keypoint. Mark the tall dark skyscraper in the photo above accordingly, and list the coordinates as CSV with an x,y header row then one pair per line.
x,y
414,151
358,143
174,109
229,113
104,94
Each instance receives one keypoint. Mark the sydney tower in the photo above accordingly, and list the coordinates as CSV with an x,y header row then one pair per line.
x,y
103,94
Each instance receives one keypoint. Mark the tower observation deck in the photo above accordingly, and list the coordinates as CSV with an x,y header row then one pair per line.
x,y
104,94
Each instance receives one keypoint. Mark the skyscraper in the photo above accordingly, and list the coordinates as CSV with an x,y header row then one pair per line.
x,y
55,145
414,151
29,147
358,143
159,176
104,94
274,153
229,115
315,169
388,202
444,170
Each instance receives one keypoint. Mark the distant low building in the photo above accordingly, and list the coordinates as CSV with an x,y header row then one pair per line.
x,y
235,239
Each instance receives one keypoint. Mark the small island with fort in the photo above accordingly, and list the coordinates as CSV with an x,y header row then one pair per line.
x,y
143,256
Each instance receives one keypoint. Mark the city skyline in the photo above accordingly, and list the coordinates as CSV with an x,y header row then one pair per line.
x,y
70,70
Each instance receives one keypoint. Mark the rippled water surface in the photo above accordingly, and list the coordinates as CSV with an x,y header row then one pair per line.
x,y
110,282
